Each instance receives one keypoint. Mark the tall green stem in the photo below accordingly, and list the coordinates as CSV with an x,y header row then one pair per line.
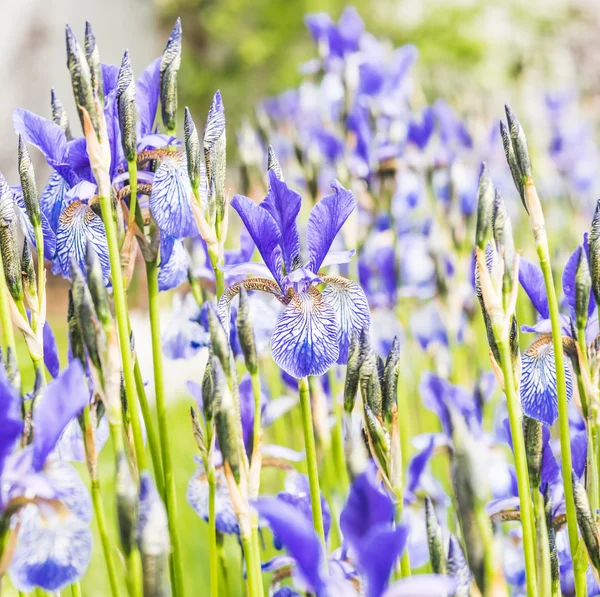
x,y
516,427
255,379
249,554
212,531
76,590
163,424
5,318
545,575
133,185
311,460
563,414
123,327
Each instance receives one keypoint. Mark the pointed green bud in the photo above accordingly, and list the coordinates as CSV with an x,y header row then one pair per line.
x,y
81,79
273,163
28,184
192,148
246,333
208,388
380,441
169,67
226,421
95,282
554,564
215,149
85,313
152,535
92,54
583,285
503,238
127,503
75,335
532,430
391,373
594,253
370,384
28,273
59,114
512,163
519,143
485,207
198,432
435,540
11,258
126,107
352,372
586,522
219,341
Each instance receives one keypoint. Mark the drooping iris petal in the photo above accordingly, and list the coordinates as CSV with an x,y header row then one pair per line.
x,y
305,338
184,336
53,549
11,420
298,538
170,199
264,232
284,206
300,500
146,96
351,307
51,358
197,497
532,281
53,199
70,447
70,489
417,465
538,382
174,272
64,398
377,553
325,221
367,506
579,452
338,257
568,277
77,225
27,226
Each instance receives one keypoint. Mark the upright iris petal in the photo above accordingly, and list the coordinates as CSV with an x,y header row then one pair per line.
x,y
284,206
27,227
532,280
305,337
11,420
146,97
325,221
54,198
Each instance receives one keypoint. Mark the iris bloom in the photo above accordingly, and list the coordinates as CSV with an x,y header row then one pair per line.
x,y
48,505
315,328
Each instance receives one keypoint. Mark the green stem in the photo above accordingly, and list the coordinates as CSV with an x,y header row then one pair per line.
x,y
163,424
405,558
76,590
251,576
5,318
311,460
516,427
123,327
337,435
256,555
219,277
563,414
133,185
545,575
224,567
255,379
134,570
151,434
212,532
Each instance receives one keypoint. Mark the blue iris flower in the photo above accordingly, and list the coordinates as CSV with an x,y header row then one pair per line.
x,y
538,377
49,505
315,328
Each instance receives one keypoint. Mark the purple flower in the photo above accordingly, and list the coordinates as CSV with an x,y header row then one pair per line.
x,y
315,328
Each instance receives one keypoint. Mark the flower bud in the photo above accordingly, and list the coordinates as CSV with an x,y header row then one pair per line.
x,y
215,156
152,534
127,503
8,242
458,567
519,143
96,286
503,238
273,163
379,440
126,107
81,79
532,431
485,207
198,433
352,372
370,385
85,313
512,162
59,115
227,421
586,522
28,273
583,285
192,148
554,563
246,333
92,55
28,184
219,341
169,67
75,337
435,541
208,388
390,379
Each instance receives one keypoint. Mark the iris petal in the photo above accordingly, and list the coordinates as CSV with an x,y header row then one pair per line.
x,y
351,307
11,420
53,199
532,281
170,200
27,227
284,206
538,382
76,225
146,96
51,358
305,338
174,272
325,221
53,550
70,489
